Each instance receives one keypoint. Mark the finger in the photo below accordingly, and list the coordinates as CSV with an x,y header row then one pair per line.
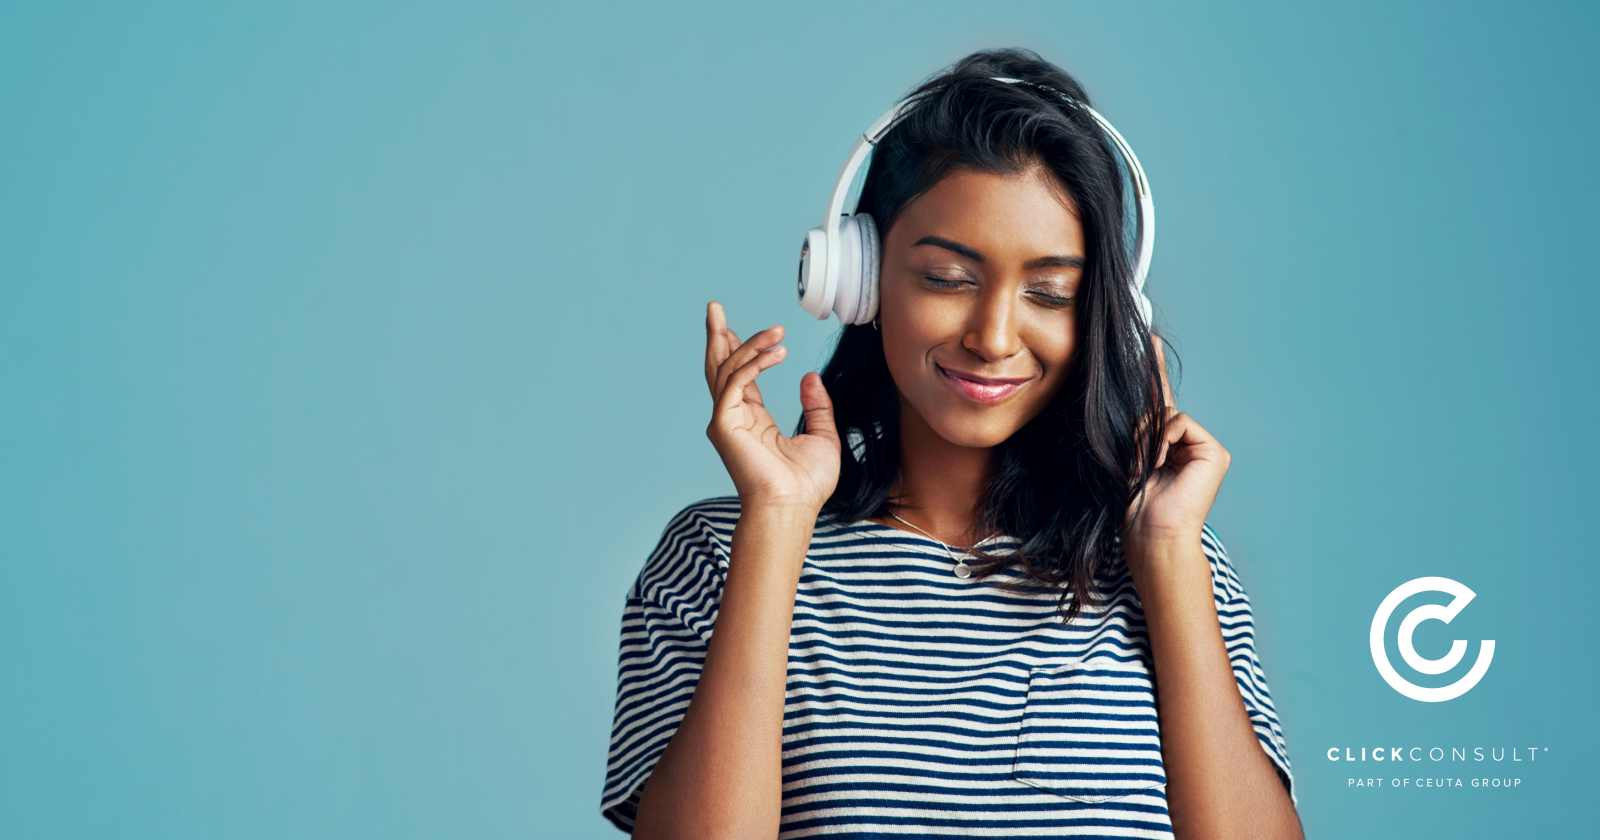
x,y
1171,435
1190,432
817,407
717,349
1161,365
1185,440
733,390
758,343
752,392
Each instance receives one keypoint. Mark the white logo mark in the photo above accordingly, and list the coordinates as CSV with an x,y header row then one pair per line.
x,y
1458,648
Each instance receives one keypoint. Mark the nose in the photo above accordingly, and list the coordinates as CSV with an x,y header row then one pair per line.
x,y
992,325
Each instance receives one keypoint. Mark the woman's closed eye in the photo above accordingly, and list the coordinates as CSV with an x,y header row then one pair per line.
x,y
955,282
1051,297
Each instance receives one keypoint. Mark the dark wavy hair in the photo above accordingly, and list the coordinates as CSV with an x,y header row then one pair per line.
x,y
1062,484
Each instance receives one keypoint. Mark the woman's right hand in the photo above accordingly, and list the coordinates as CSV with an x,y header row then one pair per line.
x,y
722,773
769,470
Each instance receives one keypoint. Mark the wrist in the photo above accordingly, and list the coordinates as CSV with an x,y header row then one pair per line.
x,y
781,533
1160,546
1164,566
784,512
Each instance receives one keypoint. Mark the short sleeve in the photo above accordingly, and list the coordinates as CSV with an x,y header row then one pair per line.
x,y
666,628
1239,634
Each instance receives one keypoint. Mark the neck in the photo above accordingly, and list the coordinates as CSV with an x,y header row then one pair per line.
x,y
940,483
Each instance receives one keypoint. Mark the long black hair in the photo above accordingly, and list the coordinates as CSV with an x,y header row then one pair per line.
x,y
1062,484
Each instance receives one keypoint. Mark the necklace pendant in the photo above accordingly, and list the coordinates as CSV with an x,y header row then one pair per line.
x,y
962,570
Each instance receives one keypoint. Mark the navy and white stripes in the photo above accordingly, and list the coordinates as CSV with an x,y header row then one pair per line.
x,y
920,703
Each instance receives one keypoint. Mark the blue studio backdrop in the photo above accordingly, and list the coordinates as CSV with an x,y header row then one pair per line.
x,y
350,367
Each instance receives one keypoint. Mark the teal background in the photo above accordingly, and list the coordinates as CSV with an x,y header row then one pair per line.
x,y
349,368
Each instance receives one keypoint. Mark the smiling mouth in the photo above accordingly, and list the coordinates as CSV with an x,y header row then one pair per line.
x,y
980,388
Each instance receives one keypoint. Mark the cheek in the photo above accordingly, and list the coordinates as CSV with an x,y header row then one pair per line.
x,y
904,348
1059,353
913,325
1053,343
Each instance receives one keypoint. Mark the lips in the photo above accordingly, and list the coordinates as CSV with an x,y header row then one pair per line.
x,y
982,388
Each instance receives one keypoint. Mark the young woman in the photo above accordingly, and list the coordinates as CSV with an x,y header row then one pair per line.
x,y
975,594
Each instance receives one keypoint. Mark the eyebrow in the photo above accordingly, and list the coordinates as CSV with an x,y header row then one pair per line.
x,y
1055,262
949,245
972,254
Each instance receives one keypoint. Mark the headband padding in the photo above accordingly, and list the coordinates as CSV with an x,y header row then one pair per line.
x,y
872,250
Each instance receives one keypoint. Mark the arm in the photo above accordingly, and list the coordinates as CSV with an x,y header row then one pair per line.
x,y
1220,783
722,774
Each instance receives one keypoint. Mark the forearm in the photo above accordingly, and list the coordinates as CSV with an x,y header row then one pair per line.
x,y
1220,783
722,774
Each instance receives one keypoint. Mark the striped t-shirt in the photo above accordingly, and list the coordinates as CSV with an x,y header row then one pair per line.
x,y
920,703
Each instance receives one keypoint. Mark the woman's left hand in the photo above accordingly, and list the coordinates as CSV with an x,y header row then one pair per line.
x,y
1219,781
1188,473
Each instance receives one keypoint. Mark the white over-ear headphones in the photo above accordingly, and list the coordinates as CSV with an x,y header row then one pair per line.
x,y
839,261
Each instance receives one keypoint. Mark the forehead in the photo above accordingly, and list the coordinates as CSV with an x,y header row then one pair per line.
x,y
1025,212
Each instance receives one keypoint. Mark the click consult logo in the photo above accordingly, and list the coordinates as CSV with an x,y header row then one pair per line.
x,y
1408,626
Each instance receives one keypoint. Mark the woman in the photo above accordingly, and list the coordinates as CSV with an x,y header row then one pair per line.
x,y
942,607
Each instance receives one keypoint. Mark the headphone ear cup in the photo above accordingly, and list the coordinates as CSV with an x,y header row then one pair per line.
x,y
848,297
872,266
855,298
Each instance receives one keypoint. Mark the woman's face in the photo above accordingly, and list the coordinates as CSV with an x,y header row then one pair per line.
x,y
978,285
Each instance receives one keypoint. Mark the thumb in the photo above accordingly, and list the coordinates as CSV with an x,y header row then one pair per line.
x,y
817,407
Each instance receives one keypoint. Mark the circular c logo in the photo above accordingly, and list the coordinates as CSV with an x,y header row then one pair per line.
x,y
1408,625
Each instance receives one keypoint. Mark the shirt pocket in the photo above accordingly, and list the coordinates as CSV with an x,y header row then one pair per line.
x,y
1090,733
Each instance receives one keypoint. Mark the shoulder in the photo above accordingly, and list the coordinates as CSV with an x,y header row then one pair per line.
x,y
698,536
707,523
685,574
1224,579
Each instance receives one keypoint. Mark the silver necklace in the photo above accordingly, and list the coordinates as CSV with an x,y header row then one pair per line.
x,y
962,570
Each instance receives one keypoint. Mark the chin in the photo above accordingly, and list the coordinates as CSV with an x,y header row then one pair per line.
x,y
976,434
